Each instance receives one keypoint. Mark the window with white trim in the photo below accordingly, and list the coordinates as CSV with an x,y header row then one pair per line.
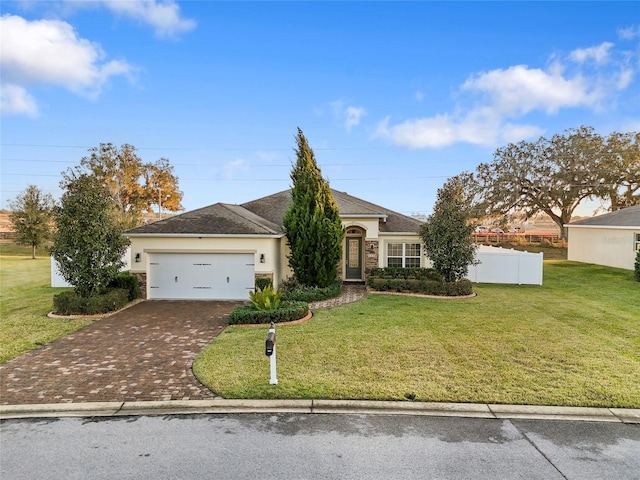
x,y
403,255
636,244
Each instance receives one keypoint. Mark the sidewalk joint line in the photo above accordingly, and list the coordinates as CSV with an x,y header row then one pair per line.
x,y
526,437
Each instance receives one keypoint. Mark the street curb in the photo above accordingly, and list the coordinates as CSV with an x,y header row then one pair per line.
x,y
357,407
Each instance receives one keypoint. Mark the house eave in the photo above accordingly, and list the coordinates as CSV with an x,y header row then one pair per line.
x,y
200,235
365,215
610,227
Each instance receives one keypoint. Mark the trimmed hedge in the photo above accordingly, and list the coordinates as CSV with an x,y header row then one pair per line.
x,y
301,293
637,266
263,282
70,303
426,281
128,282
287,312
407,273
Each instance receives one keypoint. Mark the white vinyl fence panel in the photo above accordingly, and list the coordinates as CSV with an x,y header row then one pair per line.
x,y
57,280
499,265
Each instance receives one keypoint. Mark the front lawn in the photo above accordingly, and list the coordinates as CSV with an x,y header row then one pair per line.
x,y
573,341
26,299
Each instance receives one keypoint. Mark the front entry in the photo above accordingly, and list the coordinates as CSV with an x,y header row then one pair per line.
x,y
354,258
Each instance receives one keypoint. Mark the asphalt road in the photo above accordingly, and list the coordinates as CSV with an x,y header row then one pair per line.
x,y
299,446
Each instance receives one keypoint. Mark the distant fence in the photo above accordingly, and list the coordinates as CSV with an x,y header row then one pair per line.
x,y
532,237
499,265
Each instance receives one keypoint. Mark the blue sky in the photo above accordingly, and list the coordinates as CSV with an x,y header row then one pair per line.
x,y
394,97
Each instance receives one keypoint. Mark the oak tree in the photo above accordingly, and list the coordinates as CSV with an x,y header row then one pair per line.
x,y
619,167
31,216
551,176
135,186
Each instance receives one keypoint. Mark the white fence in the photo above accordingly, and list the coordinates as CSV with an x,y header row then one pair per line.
x,y
58,281
499,265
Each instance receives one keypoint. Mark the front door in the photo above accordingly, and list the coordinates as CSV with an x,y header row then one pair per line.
x,y
354,258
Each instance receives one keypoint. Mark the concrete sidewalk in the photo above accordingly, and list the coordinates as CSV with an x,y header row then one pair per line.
x,y
219,405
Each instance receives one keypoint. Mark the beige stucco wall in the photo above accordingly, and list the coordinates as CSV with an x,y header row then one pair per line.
x,y
269,247
613,247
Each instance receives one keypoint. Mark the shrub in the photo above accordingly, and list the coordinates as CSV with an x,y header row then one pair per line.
x,y
70,303
407,272
637,273
263,282
287,312
266,299
426,281
128,282
293,291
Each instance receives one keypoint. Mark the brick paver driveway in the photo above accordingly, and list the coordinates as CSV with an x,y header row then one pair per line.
x,y
142,353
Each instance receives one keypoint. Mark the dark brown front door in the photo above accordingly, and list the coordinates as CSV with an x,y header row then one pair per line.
x,y
354,258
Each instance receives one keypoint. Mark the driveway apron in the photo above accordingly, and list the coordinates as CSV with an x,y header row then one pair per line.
x,y
142,353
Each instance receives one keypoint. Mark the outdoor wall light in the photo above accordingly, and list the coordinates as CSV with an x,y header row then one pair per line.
x,y
137,258
262,258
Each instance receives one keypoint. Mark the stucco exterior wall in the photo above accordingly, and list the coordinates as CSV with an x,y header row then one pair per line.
x,y
269,247
612,247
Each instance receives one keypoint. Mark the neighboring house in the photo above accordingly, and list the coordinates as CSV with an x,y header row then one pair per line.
x,y
216,252
611,239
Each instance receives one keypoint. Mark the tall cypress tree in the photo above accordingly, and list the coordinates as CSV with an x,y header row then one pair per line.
x,y
312,223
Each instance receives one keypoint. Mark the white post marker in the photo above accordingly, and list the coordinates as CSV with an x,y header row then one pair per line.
x,y
270,351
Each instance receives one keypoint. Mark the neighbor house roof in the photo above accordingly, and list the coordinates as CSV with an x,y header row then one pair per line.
x,y
628,217
264,217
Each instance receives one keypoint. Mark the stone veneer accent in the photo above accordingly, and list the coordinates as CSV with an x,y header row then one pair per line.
x,y
142,280
371,256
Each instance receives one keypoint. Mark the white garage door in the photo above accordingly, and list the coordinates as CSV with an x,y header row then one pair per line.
x,y
201,276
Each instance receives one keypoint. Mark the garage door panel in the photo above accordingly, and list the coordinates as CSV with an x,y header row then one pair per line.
x,y
204,276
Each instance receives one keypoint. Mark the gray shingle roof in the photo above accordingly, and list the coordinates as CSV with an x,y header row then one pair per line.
x,y
625,217
264,217
273,208
217,219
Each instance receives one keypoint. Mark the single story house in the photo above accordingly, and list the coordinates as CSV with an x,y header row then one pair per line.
x,y
611,239
216,252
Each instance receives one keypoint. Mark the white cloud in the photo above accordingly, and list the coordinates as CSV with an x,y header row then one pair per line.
x,y
164,16
490,103
232,168
16,100
439,131
625,78
599,54
629,33
353,115
48,52
349,116
519,90
513,133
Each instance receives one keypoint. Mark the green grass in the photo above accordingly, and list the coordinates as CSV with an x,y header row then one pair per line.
x,y
573,341
25,300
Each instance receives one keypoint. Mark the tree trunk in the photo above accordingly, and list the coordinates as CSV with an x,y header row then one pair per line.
x,y
33,252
